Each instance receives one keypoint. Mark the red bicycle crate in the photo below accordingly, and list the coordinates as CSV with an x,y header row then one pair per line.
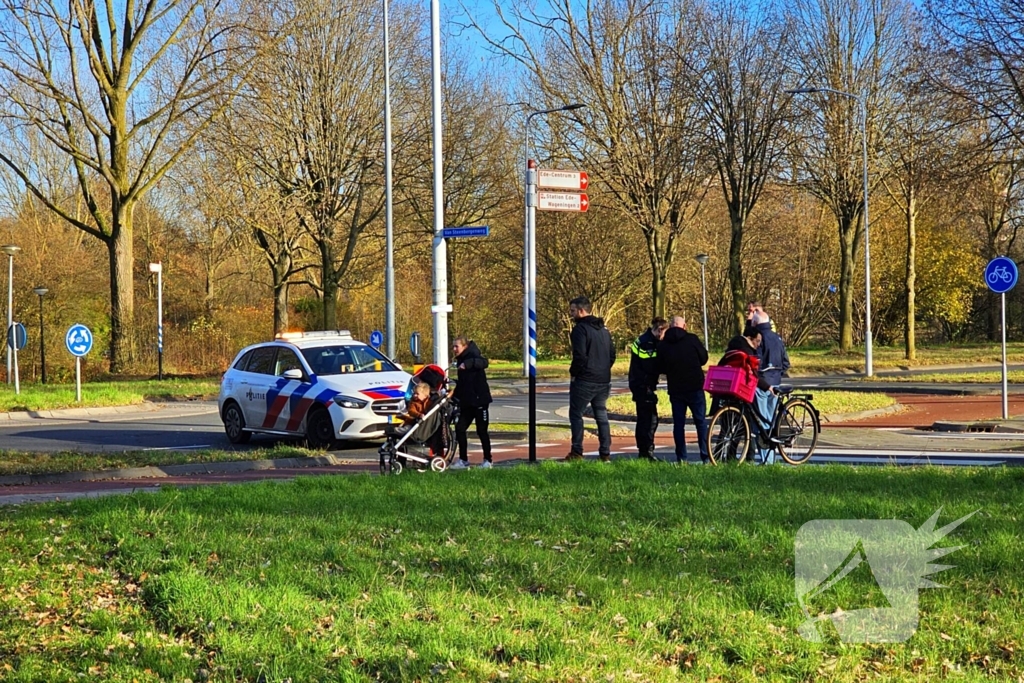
x,y
728,382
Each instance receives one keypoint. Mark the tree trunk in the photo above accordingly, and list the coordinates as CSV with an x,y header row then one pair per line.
x,y
739,294
909,337
330,286
846,236
122,292
659,287
280,274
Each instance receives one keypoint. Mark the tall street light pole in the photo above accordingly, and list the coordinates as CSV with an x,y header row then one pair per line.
x,y
530,276
10,250
441,307
702,259
158,268
389,264
863,100
41,292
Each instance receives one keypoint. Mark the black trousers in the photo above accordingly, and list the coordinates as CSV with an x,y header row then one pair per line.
x,y
646,424
467,414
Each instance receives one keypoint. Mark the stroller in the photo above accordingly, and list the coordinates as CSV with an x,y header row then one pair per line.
x,y
428,443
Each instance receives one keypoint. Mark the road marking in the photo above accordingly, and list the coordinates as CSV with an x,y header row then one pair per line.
x,y
178,448
910,454
511,407
1006,436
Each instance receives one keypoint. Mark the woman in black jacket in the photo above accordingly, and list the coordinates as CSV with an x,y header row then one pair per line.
x,y
474,397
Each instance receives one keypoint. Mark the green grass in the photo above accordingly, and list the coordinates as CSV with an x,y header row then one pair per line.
x,y
21,462
553,573
811,360
96,394
995,377
827,402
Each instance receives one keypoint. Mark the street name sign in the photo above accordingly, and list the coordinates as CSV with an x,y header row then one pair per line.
x,y
469,231
562,201
562,180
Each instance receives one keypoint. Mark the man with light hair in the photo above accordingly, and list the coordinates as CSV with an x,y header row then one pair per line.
x,y
681,358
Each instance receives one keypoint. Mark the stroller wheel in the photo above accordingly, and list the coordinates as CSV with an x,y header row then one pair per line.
x,y
396,467
438,464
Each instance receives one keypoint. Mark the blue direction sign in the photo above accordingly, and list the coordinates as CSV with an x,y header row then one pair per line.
x,y
376,339
471,231
1001,274
78,340
16,337
414,345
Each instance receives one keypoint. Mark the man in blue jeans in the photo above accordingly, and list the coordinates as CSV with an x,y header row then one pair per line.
x,y
593,355
681,358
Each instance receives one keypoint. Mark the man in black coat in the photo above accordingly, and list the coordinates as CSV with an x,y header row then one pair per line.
x,y
681,358
474,397
643,384
593,355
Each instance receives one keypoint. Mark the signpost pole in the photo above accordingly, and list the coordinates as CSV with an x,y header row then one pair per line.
x,y
1006,407
17,379
531,296
78,379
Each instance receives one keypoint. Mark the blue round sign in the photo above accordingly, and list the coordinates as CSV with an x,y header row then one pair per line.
x,y
1001,274
78,340
16,337
376,339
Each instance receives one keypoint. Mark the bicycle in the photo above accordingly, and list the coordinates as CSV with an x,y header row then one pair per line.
x,y
793,434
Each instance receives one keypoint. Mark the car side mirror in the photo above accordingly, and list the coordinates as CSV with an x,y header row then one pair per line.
x,y
294,373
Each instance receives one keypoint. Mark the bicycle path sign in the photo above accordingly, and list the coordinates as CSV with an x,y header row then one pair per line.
x,y
1001,274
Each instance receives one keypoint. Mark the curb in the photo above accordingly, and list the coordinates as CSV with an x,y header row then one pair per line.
x,y
99,411
160,472
979,427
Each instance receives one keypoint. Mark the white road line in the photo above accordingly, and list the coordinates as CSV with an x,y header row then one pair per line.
x,y
546,412
1005,436
511,407
178,448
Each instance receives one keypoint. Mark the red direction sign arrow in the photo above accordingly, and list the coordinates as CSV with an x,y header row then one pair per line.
x,y
562,201
562,180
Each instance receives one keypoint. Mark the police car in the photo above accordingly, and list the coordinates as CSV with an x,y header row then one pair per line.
x,y
324,386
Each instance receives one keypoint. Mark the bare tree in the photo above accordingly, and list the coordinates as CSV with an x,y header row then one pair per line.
x,y
740,77
122,89
640,134
856,47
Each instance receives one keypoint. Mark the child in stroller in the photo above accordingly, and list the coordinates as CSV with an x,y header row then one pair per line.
x,y
424,439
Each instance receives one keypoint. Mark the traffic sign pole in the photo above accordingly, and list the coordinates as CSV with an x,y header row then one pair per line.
x,y
1006,407
17,379
531,294
1000,276
78,379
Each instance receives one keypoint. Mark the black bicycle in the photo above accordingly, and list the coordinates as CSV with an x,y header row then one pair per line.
x,y
794,430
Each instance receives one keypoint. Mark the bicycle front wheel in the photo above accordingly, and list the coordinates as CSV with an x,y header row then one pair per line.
x,y
728,436
797,431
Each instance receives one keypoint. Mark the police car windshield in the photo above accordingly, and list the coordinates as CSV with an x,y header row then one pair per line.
x,y
343,360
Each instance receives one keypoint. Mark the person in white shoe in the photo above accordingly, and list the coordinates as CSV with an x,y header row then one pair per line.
x,y
474,397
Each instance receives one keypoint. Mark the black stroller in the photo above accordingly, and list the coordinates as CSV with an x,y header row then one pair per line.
x,y
428,443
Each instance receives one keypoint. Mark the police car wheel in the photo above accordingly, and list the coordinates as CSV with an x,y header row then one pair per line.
x,y
234,424
319,430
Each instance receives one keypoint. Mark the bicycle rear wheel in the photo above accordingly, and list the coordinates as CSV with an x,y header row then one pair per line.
x,y
728,436
797,431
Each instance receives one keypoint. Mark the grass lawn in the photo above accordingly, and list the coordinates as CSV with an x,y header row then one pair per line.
x,y
995,377
95,394
556,573
827,402
811,361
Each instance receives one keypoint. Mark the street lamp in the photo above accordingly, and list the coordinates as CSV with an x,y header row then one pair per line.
x,y
389,243
41,292
158,268
702,259
10,250
863,100
530,274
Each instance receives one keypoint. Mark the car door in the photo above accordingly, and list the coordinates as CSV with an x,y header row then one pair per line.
x,y
259,377
289,398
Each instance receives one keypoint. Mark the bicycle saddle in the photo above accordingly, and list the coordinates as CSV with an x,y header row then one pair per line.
x,y
784,389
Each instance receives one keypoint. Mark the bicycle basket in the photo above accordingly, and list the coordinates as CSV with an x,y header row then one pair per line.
x,y
723,381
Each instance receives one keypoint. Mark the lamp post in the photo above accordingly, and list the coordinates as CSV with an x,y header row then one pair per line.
x,y
441,307
702,259
41,292
10,250
158,268
389,243
863,100
530,274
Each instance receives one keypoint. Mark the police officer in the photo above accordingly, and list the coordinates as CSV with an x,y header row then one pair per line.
x,y
643,383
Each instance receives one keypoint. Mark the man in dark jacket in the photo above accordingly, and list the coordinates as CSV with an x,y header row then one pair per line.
x,y
474,397
774,362
593,355
681,358
643,383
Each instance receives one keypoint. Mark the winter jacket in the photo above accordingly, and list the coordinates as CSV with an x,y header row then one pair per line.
x,y
643,366
772,353
681,358
593,352
740,345
471,388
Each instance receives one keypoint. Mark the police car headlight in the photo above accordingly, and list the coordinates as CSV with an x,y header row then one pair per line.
x,y
349,402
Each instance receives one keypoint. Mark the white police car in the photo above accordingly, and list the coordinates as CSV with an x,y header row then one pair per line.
x,y
321,385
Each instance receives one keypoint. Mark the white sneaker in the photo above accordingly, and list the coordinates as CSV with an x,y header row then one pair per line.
x,y
486,465
459,465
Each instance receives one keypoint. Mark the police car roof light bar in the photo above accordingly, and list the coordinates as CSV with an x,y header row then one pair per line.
x,y
314,334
